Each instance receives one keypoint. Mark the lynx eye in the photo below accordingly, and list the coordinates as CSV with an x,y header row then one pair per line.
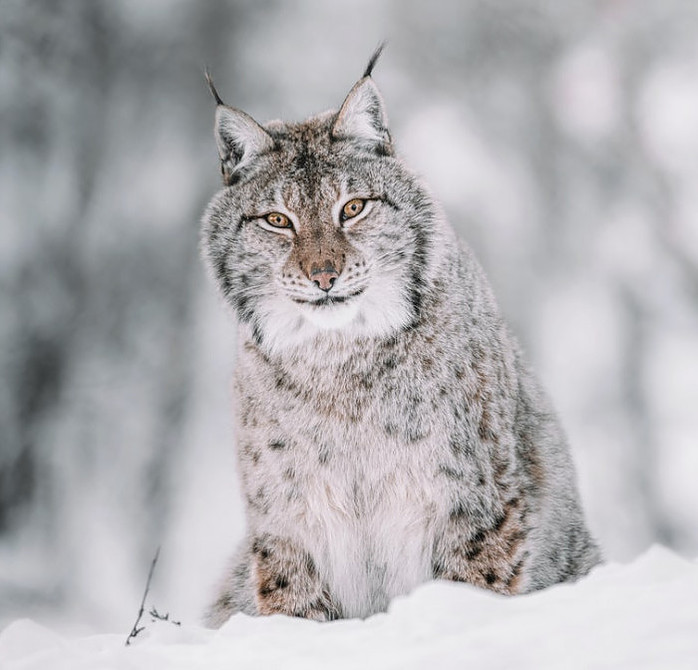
x,y
352,208
278,220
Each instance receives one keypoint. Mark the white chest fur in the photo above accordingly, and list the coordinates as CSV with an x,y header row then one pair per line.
x,y
371,522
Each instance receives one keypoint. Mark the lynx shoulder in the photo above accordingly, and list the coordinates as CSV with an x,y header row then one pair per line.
x,y
388,429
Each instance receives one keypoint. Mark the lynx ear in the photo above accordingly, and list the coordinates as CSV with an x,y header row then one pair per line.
x,y
362,116
239,137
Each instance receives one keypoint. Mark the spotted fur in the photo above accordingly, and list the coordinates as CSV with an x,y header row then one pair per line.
x,y
389,431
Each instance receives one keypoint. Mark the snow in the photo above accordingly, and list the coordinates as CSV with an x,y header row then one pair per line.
x,y
639,615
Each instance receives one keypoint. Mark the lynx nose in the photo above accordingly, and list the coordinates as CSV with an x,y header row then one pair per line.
x,y
324,277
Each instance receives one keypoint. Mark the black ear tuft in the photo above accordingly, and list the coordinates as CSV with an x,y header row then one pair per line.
x,y
362,116
374,59
212,88
239,138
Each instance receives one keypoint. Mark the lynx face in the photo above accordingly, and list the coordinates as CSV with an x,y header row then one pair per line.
x,y
319,227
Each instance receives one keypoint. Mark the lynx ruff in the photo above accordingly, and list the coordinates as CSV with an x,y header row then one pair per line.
x,y
389,431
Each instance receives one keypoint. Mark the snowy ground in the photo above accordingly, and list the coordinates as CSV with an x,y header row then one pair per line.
x,y
640,615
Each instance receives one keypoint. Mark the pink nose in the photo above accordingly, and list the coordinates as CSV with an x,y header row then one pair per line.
x,y
324,277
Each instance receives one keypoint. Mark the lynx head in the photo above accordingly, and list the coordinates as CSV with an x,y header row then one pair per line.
x,y
319,227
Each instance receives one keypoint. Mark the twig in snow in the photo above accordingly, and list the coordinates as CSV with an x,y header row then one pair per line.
x,y
136,629
163,617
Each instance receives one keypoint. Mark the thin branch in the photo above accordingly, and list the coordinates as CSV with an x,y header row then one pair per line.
x,y
163,617
136,629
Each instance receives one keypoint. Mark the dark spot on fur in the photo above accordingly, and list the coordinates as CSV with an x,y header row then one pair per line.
x,y
458,512
276,445
259,501
242,304
259,549
417,265
225,601
289,474
366,381
245,415
473,551
490,578
478,537
310,566
390,343
450,472
222,273
499,523
266,589
437,568
460,446
486,430
323,454
384,198
414,434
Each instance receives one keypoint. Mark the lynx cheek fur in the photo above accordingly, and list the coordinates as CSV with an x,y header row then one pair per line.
x,y
389,431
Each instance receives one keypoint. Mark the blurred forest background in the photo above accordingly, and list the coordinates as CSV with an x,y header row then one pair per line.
x,y
562,138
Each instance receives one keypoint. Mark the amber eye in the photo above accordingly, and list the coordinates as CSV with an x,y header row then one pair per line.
x,y
278,220
352,208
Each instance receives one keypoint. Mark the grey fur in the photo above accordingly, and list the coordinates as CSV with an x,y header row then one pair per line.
x,y
389,431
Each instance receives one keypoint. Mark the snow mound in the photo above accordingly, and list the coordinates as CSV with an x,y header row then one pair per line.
x,y
640,615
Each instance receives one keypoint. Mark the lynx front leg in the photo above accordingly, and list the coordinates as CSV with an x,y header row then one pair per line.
x,y
286,581
493,557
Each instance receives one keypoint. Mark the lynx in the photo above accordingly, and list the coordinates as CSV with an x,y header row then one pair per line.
x,y
389,431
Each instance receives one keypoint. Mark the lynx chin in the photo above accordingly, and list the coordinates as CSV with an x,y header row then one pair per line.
x,y
389,431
